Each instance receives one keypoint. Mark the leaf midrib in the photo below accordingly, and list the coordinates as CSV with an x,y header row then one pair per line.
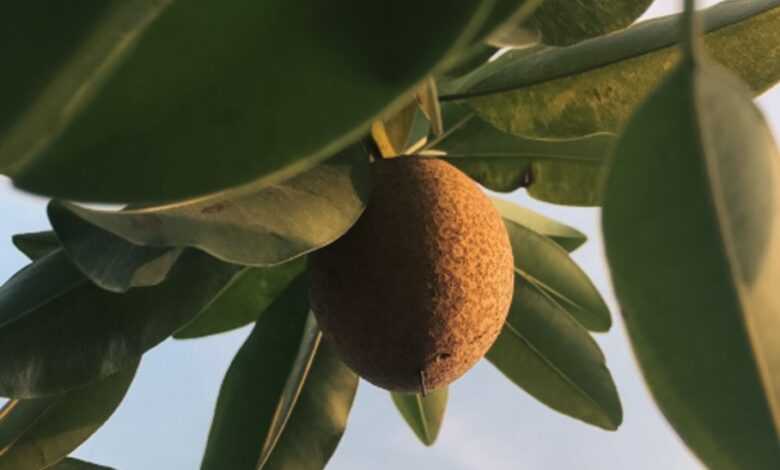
x,y
559,372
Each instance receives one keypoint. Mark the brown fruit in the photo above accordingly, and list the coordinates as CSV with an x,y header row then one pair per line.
x,y
418,290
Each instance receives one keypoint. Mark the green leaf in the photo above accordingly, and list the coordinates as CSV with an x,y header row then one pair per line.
x,y
258,225
300,394
87,333
561,171
244,300
37,284
546,352
319,419
568,238
424,414
548,269
270,89
36,245
563,22
40,432
570,92
76,464
690,224
573,183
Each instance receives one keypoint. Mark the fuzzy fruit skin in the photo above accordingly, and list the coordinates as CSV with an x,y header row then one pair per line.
x,y
422,282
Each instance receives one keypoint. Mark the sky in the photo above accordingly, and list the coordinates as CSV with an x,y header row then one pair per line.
x,y
490,423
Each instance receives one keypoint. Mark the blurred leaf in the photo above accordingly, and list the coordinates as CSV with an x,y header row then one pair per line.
x,y
563,22
546,352
428,97
259,225
39,432
124,80
514,36
568,238
570,92
503,14
87,333
424,414
507,13
695,261
76,464
36,244
244,300
548,269
561,171
37,284
300,394
469,59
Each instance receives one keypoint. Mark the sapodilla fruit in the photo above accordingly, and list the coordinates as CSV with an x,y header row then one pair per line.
x,y
416,292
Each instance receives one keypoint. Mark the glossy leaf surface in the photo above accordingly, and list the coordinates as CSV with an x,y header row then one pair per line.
x,y
88,333
126,79
261,225
40,432
38,283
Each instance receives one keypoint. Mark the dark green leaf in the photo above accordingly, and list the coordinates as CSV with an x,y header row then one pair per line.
x,y
551,356
39,432
566,237
690,223
106,259
424,414
258,225
561,171
76,464
548,269
300,394
189,98
37,284
88,333
36,244
595,86
564,22
244,301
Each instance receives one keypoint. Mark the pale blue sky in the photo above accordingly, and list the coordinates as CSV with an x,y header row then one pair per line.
x,y
490,423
